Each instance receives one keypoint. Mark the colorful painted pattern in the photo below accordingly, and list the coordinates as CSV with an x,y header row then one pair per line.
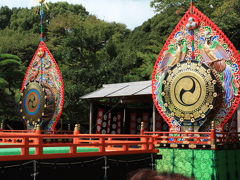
x,y
196,37
44,70
33,108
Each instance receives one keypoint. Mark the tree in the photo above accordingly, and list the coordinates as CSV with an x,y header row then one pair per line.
x,y
11,76
21,44
89,47
5,15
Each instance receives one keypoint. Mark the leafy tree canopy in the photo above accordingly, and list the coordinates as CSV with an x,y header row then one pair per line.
x,y
11,74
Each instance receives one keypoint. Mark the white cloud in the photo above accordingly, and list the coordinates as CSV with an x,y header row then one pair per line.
x,y
130,12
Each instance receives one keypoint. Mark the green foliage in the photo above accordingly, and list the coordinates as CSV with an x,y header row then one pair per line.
x,y
21,44
11,76
3,83
64,8
24,20
87,46
5,15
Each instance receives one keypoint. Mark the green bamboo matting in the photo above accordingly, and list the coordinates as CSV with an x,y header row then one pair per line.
x,y
202,164
46,150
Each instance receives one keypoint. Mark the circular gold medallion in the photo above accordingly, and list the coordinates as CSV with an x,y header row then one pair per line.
x,y
38,104
33,101
188,91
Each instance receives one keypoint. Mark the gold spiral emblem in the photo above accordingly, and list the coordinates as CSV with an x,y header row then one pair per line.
x,y
187,93
186,87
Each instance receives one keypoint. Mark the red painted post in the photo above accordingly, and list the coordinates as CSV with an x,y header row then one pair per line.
x,y
150,141
155,141
125,147
109,141
25,149
102,144
38,140
73,149
38,129
76,132
213,136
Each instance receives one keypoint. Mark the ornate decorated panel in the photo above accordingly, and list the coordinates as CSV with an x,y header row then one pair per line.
x,y
196,76
109,122
43,91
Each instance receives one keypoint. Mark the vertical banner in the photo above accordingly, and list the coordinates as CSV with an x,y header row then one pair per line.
x,y
99,120
119,123
114,124
109,122
104,124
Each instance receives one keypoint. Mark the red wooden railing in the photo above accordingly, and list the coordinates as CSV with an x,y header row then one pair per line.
x,y
181,137
32,131
106,144
193,139
227,138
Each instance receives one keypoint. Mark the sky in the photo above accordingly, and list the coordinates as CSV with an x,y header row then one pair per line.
x,y
130,12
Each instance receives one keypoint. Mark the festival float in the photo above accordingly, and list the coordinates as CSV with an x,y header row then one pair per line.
x,y
195,89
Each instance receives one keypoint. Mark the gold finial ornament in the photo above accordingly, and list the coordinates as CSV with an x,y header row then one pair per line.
x,y
44,2
41,1
77,127
41,52
38,127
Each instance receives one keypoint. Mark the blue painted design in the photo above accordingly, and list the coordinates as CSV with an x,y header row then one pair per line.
x,y
26,103
234,67
215,38
178,34
229,95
